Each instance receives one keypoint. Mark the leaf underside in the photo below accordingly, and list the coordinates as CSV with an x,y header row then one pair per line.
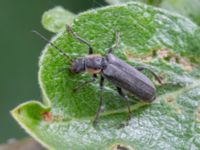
x,y
150,37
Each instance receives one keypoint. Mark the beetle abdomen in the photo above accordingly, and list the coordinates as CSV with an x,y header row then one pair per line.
x,y
128,78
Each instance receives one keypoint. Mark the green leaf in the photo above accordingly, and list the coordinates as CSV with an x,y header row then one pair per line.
x,y
188,8
165,42
55,19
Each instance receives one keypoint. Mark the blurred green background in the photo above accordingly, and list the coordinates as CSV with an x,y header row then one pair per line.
x,y
20,50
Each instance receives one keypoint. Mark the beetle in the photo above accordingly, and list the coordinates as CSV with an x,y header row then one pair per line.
x,y
113,69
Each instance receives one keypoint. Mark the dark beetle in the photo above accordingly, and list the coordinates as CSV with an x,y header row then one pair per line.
x,y
115,70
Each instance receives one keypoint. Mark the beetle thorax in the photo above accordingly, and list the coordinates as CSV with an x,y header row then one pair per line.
x,y
91,63
94,64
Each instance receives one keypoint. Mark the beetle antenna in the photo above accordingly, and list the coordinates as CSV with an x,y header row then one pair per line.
x,y
69,30
45,39
116,44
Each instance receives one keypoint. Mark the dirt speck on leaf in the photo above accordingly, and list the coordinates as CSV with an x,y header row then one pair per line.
x,y
163,53
198,114
186,64
135,57
179,110
47,116
170,100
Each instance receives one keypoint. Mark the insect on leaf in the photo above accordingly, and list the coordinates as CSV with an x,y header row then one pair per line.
x,y
150,36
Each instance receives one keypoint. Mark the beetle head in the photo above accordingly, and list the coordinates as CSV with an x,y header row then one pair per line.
x,y
78,65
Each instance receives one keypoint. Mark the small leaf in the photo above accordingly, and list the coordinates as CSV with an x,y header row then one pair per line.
x,y
150,36
55,19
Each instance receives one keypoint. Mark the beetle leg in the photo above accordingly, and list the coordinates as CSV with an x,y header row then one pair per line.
x,y
101,84
116,44
69,30
119,90
84,83
153,73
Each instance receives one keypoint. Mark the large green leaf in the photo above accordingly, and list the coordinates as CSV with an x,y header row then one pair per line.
x,y
160,40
